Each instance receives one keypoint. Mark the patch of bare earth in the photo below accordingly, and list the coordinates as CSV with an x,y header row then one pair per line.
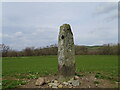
x,y
87,81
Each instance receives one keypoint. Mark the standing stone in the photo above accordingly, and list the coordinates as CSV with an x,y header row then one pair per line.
x,y
66,52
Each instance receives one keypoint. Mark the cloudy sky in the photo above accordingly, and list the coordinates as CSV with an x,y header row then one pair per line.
x,y
27,24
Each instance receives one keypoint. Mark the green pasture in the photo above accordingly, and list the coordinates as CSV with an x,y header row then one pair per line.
x,y
104,67
43,65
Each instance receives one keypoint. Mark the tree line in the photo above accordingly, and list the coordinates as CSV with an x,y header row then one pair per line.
x,y
106,49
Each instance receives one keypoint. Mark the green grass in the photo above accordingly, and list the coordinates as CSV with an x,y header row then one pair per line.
x,y
105,67
12,83
40,64
44,65
105,63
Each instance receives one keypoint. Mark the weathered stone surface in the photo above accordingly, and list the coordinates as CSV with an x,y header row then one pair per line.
x,y
66,52
53,84
76,77
40,81
55,81
75,82
69,81
49,85
47,81
60,86
54,87
65,83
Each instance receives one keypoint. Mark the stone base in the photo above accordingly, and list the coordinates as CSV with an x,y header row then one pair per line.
x,y
66,72
62,78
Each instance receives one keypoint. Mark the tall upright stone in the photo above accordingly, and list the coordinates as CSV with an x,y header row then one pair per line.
x,y
66,52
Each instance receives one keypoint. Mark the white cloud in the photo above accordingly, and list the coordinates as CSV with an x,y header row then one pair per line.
x,y
18,34
37,24
0,35
5,36
107,10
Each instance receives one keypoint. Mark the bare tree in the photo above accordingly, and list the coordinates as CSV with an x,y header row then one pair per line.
x,y
4,49
29,51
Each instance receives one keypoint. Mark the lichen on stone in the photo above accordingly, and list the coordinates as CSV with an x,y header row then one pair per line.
x,y
66,52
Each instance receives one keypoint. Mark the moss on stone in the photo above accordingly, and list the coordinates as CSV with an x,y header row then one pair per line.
x,y
66,52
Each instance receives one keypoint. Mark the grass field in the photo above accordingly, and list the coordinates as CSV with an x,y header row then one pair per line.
x,y
48,64
33,67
